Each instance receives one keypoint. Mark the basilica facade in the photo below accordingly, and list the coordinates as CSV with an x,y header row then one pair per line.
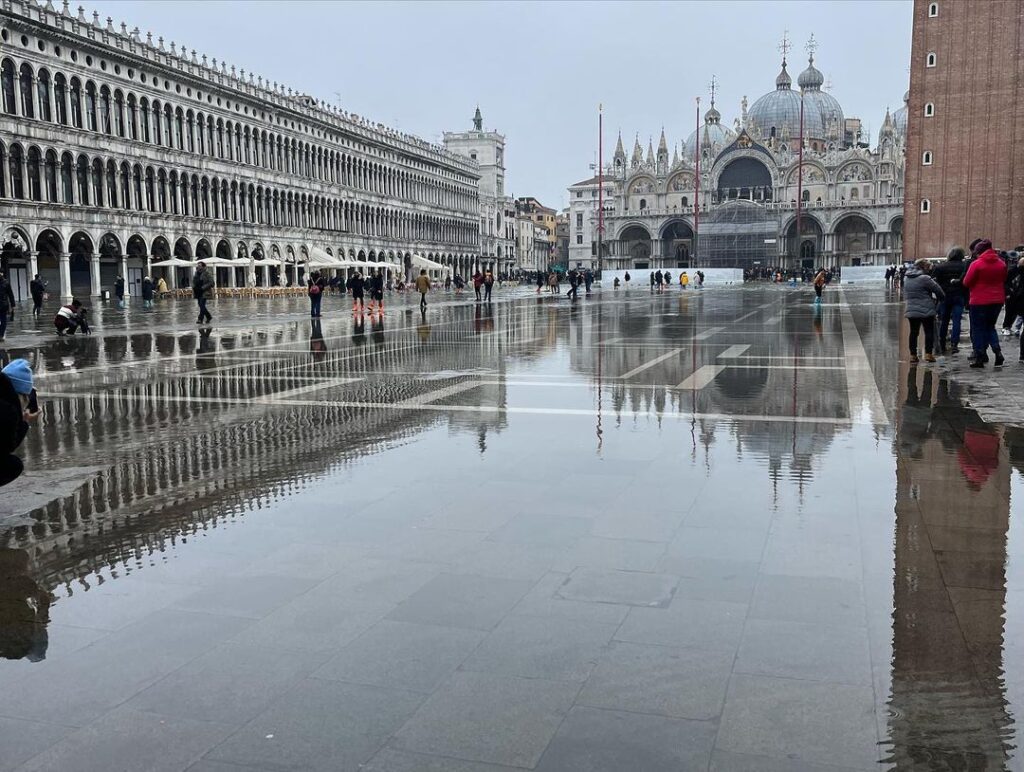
x,y
746,181
118,150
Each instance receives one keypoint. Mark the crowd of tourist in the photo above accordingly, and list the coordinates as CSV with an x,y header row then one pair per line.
x,y
987,284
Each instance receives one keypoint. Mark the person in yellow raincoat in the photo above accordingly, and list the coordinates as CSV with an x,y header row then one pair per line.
x,y
684,280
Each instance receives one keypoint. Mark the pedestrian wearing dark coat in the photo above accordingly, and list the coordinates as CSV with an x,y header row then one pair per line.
x,y
15,416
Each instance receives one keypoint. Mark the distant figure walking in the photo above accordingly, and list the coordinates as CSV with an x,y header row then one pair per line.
x,y
202,287
423,287
355,286
147,292
488,286
478,281
37,288
820,280
119,291
7,303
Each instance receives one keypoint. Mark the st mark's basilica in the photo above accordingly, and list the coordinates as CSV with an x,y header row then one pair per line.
x,y
851,190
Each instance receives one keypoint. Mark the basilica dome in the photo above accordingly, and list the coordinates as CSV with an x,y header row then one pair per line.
x,y
899,118
777,113
810,81
711,133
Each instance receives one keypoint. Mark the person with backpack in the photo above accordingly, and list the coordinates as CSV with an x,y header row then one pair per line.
x,y
376,282
147,292
315,286
949,275
488,285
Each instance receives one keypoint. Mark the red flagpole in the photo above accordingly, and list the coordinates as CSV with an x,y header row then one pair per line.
x,y
600,184
800,179
696,187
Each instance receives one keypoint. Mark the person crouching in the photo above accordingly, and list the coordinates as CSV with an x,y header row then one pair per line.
x,y
71,318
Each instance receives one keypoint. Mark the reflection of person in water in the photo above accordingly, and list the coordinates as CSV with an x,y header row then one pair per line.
x,y
359,329
205,349
423,328
317,346
24,609
377,329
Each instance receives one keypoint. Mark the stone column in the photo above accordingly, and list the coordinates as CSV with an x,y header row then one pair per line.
x,y
33,264
94,275
65,275
124,275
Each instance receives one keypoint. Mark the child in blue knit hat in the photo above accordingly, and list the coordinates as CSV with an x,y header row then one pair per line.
x,y
18,409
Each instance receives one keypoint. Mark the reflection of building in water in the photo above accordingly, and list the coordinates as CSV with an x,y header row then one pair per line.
x,y
186,451
947,708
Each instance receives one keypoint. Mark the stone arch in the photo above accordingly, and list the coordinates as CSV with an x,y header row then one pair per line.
x,y
82,252
49,246
203,249
183,249
806,249
160,248
853,234
745,177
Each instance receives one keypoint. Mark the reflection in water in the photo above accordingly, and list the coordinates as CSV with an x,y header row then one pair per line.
x,y
24,609
947,707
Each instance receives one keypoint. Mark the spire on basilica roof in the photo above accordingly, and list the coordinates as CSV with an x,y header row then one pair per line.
x,y
783,81
478,120
675,154
650,150
638,152
620,152
662,144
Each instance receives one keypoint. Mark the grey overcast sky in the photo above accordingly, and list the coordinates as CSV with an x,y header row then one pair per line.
x,y
538,70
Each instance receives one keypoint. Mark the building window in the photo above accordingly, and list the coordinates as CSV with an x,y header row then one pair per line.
x,y
933,10
926,158
929,110
926,206
579,219
579,238
930,59
643,203
579,194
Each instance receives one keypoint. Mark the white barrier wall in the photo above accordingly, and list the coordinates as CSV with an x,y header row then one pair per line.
x,y
642,278
857,274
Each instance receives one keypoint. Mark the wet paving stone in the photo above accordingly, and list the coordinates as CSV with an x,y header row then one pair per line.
x,y
503,537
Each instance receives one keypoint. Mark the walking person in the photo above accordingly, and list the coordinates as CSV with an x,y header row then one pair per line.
x,y
920,294
18,409
315,285
119,290
652,279
820,280
147,292
37,289
684,280
625,279
161,286
377,291
7,303
478,281
355,285
202,288
540,281
588,279
574,283
949,275
488,286
423,287
1014,307
986,281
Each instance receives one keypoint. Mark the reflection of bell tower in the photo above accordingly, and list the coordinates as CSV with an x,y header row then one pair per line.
x,y
947,707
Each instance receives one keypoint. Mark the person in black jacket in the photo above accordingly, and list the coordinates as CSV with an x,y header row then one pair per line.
x,y
16,397
355,286
950,277
37,288
7,303
202,288
1014,292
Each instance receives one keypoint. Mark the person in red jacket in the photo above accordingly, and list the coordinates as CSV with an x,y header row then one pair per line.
x,y
986,281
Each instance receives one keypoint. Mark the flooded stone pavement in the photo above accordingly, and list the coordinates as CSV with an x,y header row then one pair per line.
x,y
723,530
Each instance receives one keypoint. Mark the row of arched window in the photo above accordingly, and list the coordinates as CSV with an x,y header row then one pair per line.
x,y
67,101
63,178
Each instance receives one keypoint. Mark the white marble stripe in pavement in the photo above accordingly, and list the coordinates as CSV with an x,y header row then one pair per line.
x,y
708,333
832,420
701,377
734,351
865,401
436,394
314,387
651,363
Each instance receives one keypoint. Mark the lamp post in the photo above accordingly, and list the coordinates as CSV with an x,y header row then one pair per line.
x,y
600,186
